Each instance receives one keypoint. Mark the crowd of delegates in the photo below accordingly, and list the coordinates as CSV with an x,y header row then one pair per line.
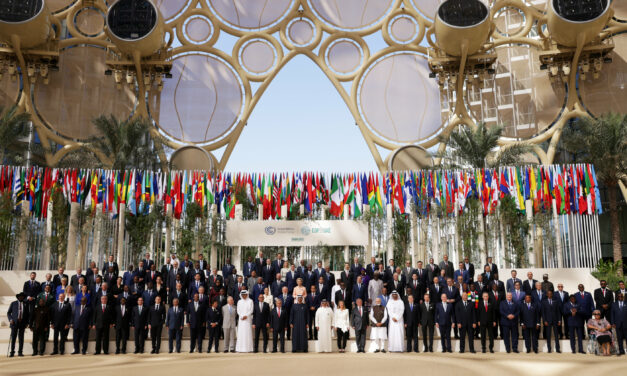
x,y
307,302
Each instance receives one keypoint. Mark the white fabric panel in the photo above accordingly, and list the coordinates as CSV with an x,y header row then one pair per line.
x,y
301,32
344,56
351,14
198,29
258,56
251,14
403,29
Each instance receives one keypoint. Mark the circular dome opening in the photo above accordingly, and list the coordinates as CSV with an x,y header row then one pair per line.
x,y
132,19
580,10
463,13
19,10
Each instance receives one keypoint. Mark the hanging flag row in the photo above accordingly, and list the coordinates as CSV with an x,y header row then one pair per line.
x,y
573,188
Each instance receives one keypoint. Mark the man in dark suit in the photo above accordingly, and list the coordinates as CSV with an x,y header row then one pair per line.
x,y
214,277
416,285
621,290
576,321
342,294
47,295
148,263
112,264
443,321
584,299
174,323
156,319
510,312
290,278
433,270
487,274
486,320
604,297
562,298
511,282
103,291
619,321
466,323
360,291
551,315
412,320
75,278
227,269
277,264
122,326
347,276
529,284
461,272
194,286
359,322
31,289
260,262
267,272
313,300
499,284
492,265
530,322
196,318
103,320
324,290
61,313
18,315
470,269
277,285
140,325
152,274
427,321
56,281
249,266
356,267
214,325
496,297
447,266
261,323
278,325
435,290
372,267
80,325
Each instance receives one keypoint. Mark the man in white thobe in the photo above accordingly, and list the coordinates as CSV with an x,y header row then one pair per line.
x,y
396,326
245,310
324,325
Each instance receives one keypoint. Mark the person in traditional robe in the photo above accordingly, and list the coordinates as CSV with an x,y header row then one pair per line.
x,y
299,319
245,308
378,318
324,325
396,327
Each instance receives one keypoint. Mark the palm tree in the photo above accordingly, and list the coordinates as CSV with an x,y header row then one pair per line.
x,y
477,148
128,144
13,129
603,143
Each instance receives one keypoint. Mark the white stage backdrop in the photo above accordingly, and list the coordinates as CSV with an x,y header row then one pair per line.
x,y
296,233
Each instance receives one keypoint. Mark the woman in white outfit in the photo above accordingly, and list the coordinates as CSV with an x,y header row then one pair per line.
x,y
342,325
245,310
378,318
268,298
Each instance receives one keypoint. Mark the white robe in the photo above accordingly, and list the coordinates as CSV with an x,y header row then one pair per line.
x,y
396,330
324,321
377,332
245,327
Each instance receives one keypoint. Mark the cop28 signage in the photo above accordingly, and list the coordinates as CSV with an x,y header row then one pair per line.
x,y
296,233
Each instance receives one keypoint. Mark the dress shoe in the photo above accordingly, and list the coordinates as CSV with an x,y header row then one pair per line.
x,y
425,350
491,351
20,355
157,352
209,351
226,351
377,350
136,352
431,349
117,352
473,352
582,352
35,353
12,355
153,351
461,351
383,351
535,351
84,353
515,351
483,351
274,351
177,351
106,353
75,352
558,351
41,354
96,353
54,353
528,351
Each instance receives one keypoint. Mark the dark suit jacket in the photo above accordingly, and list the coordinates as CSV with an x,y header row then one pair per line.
x,y
102,319
74,281
182,296
448,266
56,280
261,317
277,287
122,321
61,316
526,288
279,323
442,317
619,316
347,278
116,270
505,310
427,316
551,313
140,321
157,317
174,320
599,299
537,299
360,322
500,286
412,317
33,290
213,317
82,321
576,321
435,294
196,317
529,315
346,297
313,301
465,315
360,293
13,313
268,274
486,318
586,305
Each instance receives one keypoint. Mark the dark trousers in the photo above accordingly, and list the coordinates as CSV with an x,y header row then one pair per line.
x,y
565,326
102,339
121,337
17,333
81,336
464,331
427,336
445,337
571,332
553,329
360,338
487,332
313,332
342,338
214,335
140,339
155,336
195,334
59,337
264,331
40,337
278,336
531,338
411,334
621,336
174,334
510,336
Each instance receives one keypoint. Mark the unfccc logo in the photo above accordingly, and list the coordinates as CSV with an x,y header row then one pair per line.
x,y
305,230
270,230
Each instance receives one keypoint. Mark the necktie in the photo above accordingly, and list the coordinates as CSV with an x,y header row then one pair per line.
x,y
82,307
427,305
195,307
122,310
360,311
550,302
103,308
444,306
279,312
464,304
411,307
485,304
620,305
157,307
19,311
60,306
528,306
414,284
496,295
140,310
175,310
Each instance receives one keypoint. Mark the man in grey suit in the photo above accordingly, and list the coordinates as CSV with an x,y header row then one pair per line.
x,y
447,266
359,322
229,314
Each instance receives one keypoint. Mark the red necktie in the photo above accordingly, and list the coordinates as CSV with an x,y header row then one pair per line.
x,y
279,312
486,307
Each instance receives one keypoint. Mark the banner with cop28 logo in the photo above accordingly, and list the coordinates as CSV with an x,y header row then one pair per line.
x,y
296,233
